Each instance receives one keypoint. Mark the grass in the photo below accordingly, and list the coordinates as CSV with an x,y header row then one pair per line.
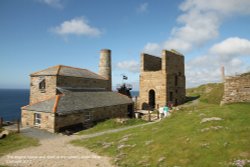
x,y
111,124
210,93
182,140
15,142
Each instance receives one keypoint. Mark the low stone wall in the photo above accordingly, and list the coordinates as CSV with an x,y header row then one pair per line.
x,y
236,89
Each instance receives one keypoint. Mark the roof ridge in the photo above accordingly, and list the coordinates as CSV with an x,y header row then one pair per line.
x,y
73,67
44,70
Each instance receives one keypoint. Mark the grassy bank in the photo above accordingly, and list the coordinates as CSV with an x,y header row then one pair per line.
x,y
15,142
187,138
181,140
111,124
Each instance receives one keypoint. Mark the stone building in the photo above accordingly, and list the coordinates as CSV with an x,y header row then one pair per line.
x,y
162,80
236,89
63,96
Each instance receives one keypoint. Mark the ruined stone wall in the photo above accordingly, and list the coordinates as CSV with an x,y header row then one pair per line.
x,y
166,76
152,81
37,94
236,89
176,82
48,119
77,82
150,63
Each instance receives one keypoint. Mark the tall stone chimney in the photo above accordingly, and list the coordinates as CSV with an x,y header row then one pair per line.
x,y
105,66
222,73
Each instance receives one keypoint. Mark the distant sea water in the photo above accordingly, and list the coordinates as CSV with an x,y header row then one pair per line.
x,y
11,101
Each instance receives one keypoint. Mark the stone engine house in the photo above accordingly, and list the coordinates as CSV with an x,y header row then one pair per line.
x,y
63,96
162,80
236,89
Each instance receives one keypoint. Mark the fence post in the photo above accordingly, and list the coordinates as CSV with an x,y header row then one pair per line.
x,y
1,122
18,126
149,116
158,114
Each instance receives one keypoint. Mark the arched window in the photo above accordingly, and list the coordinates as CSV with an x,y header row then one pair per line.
x,y
151,98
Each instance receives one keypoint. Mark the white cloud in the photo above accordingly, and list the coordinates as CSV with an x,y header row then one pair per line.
x,y
231,47
200,22
152,48
142,8
131,66
53,3
76,26
228,53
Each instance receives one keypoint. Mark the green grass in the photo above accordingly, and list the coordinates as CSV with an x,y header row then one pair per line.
x,y
210,93
15,142
180,140
111,124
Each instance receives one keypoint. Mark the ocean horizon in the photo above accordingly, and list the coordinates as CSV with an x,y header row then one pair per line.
x,y
11,101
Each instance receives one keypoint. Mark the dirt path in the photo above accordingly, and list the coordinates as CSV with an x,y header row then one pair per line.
x,y
56,151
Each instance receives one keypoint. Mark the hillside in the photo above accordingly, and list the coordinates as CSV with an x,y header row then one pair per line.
x,y
202,135
209,93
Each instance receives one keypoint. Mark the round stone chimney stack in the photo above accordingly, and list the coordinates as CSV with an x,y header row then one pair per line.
x,y
105,67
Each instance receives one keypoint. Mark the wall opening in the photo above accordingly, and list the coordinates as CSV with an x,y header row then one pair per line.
x,y
176,80
171,96
42,86
151,99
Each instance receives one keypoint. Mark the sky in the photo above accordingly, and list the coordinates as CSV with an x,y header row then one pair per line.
x,y
37,34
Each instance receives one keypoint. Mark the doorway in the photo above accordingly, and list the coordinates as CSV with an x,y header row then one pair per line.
x,y
151,99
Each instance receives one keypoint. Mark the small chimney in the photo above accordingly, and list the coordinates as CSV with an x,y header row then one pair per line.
x,y
222,73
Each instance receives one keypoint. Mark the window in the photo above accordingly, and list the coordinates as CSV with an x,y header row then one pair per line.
x,y
37,119
42,86
176,80
171,96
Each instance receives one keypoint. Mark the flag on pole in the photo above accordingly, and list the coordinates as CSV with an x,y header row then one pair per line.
x,y
124,77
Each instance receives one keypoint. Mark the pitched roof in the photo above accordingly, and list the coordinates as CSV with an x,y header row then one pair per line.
x,y
72,102
67,71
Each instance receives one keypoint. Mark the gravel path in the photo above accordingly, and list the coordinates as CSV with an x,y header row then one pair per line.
x,y
55,151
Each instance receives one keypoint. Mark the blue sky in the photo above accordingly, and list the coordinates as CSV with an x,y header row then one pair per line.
x,y
36,34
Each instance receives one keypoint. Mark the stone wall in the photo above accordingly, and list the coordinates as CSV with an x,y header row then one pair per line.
x,y
156,81
96,114
165,76
36,94
53,123
48,120
77,82
150,63
236,89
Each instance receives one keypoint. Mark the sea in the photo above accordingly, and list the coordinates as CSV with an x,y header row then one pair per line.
x,y
11,101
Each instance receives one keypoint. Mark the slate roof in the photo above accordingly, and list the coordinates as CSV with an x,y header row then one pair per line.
x,y
67,71
72,102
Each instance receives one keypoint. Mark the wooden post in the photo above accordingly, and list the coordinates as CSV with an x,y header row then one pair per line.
x,y
149,116
18,126
158,114
1,122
